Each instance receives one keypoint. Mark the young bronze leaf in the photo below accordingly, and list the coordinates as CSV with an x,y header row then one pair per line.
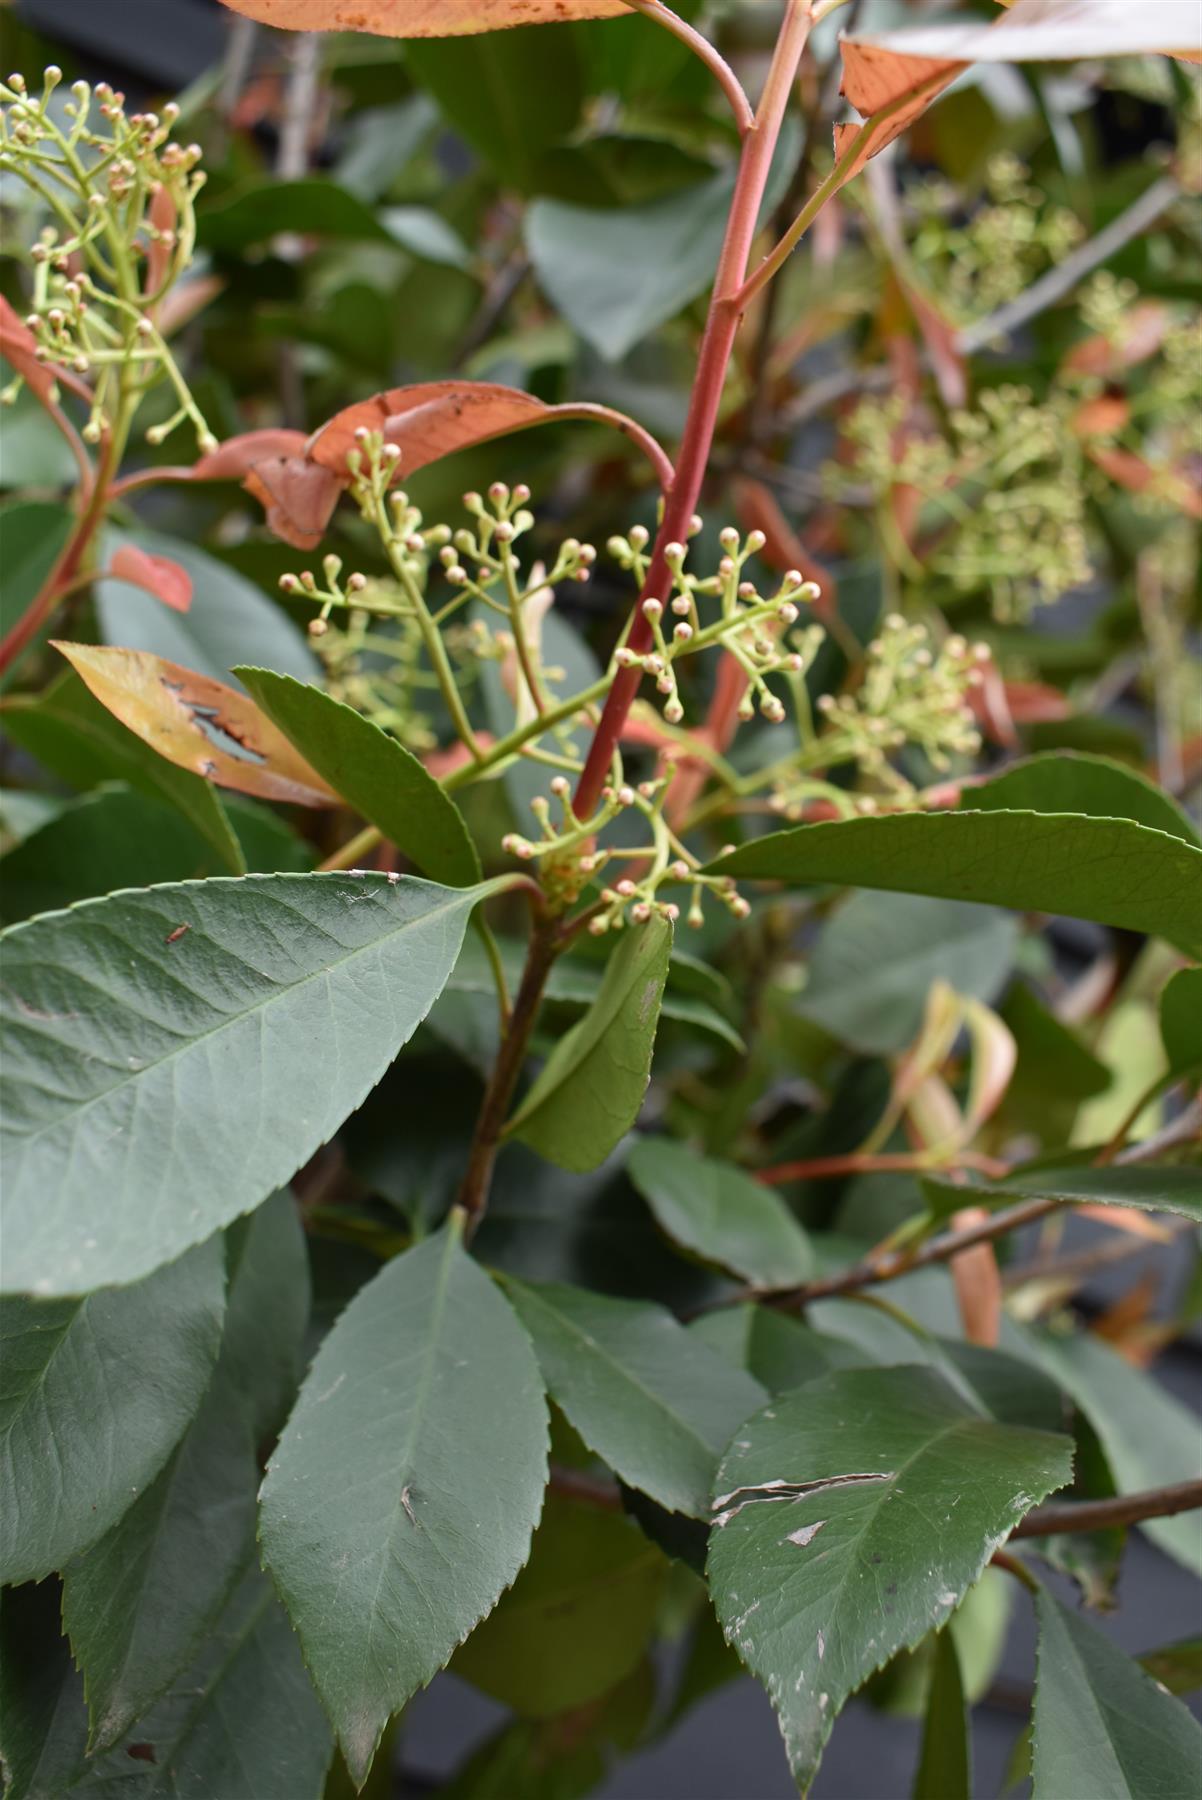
x,y
233,460
157,575
892,77
428,421
199,724
421,18
298,497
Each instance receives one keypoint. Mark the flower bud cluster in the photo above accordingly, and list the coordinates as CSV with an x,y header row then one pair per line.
x,y
913,693
121,193
570,858
753,628
997,252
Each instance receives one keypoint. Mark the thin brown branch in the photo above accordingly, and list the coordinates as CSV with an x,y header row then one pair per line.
x,y
1101,1515
860,1162
575,1484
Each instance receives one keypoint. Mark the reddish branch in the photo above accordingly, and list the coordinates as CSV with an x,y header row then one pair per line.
x,y
717,344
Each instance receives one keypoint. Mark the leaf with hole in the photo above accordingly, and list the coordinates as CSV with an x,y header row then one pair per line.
x,y
401,1499
657,1404
198,724
211,1035
76,738
850,1520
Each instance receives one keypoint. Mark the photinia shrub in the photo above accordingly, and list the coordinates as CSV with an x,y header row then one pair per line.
x,y
560,1120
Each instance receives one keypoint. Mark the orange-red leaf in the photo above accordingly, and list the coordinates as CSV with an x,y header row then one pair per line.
x,y
428,421
198,724
1179,487
1144,329
19,347
978,1284
298,496
421,18
892,77
157,575
161,214
234,459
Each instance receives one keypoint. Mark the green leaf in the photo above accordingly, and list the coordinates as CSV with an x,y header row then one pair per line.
x,y
1067,781
1108,870
874,963
322,208
243,1720
138,1603
576,1621
1055,1070
32,535
908,1492
379,777
401,1499
945,1763
79,1437
779,1351
213,1060
1153,1189
229,620
1149,1438
110,838
1181,1021
513,95
558,1759
617,275
1177,1667
43,1721
33,451
73,736
721,1213
642,1392
1102,1726
591,1088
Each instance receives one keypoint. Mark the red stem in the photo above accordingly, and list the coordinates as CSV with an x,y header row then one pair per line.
x,y
65,572
717,344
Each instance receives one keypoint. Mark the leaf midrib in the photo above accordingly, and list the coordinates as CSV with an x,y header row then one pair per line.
x,y
278,995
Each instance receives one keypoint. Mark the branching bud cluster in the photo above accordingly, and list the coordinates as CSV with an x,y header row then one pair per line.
x,y
117,196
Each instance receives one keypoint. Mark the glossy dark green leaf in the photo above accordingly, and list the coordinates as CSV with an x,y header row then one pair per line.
x,y
1177,1667
721,1213
1066,781
184,1050
43,1721
591,1088
32,534
230,621
1109,870
1055,1070
1151,1188
1149,1438
322,208
242,1720
559,1759
576,1621
1181,1021
874,963
642,1392
1103,1727
513,95
373,772
89,1417
945,1763
907,1491
138,1603
110,838
779,1351
76,738
401,1499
